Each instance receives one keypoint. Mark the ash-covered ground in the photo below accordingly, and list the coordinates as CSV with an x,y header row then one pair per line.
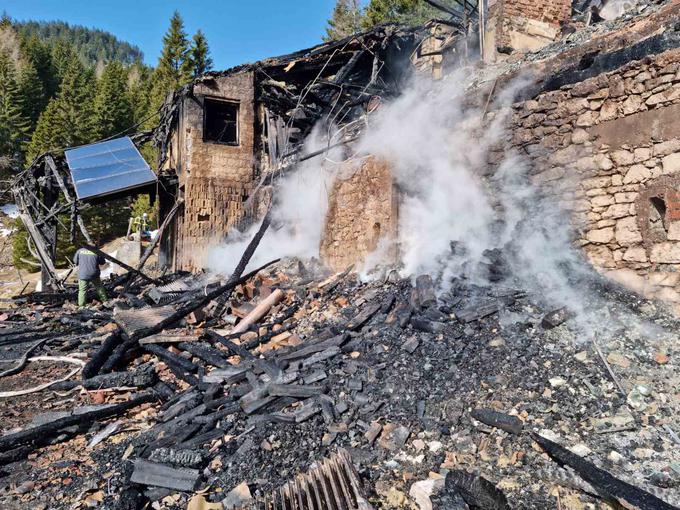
x,y
400,396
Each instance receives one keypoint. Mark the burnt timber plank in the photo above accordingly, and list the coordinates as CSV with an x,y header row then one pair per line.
x,y
205,352
159,475
305,351
608,486
363,317
171,358
294,390
478,311
44,433
109,343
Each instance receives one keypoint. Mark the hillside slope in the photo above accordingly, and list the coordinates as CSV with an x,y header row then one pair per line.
x,y
92,44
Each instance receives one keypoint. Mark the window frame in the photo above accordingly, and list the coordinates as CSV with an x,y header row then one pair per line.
x,y
234,102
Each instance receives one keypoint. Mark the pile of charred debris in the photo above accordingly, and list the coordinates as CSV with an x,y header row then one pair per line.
x,y
288,388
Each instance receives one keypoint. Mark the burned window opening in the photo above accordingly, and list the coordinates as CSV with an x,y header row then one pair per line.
x,y
203,217
220,121
657,217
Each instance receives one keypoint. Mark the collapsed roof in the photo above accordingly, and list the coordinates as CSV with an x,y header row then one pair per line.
x,y
331,82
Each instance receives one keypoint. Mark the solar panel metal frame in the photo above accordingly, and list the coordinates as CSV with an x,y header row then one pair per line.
x,y
106,168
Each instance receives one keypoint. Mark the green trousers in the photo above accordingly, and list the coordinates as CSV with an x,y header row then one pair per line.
x,y
82,290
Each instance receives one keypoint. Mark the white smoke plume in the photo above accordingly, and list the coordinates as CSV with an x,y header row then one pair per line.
x,y
439,147
299,211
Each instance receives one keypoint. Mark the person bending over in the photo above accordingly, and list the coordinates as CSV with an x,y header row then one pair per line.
x,y
88,263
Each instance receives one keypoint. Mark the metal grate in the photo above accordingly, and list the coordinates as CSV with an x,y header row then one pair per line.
x,y
332,485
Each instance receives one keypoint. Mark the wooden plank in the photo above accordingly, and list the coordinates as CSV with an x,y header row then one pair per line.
x,y
205,352
305,351
171,358
423,295
159,475
363,317
43,434
478,311
259,311
229,374
607,485
168,338
294,390
159,234
321,356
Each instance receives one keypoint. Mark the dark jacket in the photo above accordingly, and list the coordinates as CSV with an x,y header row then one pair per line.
x,y
88,264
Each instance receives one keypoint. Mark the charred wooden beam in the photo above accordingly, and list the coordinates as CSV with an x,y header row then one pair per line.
x,y
49,161
42,434
135,379
166,221
121,264
363,317
611,488
205,352
100,356
159,475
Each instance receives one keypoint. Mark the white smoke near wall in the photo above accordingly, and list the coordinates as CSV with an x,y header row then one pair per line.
x,y
455,205
298,215
468,200
432,144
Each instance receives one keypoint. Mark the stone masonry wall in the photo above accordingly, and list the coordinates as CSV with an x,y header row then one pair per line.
x,y
362,212
216,178
609,148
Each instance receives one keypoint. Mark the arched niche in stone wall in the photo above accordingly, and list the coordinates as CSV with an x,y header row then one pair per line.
x,y
658,215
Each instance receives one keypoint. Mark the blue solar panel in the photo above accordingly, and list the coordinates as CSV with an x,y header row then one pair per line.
x,y
107,167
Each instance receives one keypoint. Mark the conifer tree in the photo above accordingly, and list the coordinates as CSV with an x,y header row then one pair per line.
x,y
199,58
69,118
345,20
32,93
5,20
14,125
173,67
112,103
62,53
40,56
139,93
409,12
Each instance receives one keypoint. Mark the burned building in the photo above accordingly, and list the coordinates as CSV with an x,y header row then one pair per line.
x,y
228,390
597,122
230,134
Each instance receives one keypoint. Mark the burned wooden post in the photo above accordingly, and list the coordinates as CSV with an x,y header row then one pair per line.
x,y
121,264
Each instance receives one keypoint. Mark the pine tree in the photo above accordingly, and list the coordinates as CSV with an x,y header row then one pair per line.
x,y
62,53
14,125
40,56
112,103
69,118
32,93
408,12
345,20
5,20
199,58
139,93
172,66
